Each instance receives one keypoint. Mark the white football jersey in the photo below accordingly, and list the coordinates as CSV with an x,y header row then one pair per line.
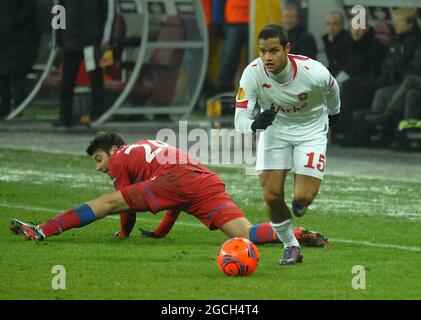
x,y
302,109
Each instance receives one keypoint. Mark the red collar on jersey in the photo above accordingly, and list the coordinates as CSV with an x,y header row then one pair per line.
x,y
294,64
293,57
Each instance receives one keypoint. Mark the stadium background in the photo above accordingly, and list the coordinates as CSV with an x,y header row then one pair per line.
x,y
370,209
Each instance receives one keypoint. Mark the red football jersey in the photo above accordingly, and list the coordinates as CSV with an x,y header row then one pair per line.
x,y
147,159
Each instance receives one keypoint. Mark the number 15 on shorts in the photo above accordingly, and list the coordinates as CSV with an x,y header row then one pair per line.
x,y
319,164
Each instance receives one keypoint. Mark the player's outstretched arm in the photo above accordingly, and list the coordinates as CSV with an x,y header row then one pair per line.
x,y
164,227
127,222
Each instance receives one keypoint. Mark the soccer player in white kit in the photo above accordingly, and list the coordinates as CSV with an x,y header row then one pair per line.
x,y
298,99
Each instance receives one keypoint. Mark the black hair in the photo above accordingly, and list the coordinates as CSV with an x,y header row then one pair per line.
x,y
274,31
104,141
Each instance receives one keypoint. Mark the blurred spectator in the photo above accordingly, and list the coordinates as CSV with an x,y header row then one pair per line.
x,y
337,43
303,7
364,57
234,15
303,42
89,24
209,88
16,20
405,102
398,64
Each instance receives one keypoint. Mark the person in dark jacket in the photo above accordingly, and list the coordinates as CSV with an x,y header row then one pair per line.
x,y
234,15
365,55
16,19
89,24
336,42
362,67
398,63
303,42
405,101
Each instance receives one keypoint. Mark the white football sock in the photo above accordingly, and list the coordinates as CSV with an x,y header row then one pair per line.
x,y
285,233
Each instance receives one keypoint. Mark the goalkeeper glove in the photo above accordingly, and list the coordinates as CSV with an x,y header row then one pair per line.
x,y
149,234
309,238
334,120
264,119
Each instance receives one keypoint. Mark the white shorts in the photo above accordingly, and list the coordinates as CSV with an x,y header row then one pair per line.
x,y
306,158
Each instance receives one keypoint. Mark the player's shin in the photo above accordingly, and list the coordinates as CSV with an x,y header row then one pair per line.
x,y
73,218
285,233
263,233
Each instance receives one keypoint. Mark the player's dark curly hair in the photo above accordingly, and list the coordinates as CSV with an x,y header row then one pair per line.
x,y
104,141
274,31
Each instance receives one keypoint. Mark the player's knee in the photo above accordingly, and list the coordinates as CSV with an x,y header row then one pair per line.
x,y
305,198
112,202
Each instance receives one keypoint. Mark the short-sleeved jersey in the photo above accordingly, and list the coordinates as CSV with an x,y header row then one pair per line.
x,y
300,102
147,159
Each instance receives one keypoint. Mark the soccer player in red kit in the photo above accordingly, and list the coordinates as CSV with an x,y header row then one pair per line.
x,y
152,176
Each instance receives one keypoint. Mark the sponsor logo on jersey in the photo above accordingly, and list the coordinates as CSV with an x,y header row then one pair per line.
x,y
294,109
267,86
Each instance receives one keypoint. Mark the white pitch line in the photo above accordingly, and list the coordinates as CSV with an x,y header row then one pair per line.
x,y
187,224
377,245
6,205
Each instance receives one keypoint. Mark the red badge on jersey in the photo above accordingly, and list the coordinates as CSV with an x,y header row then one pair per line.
x,y
303,96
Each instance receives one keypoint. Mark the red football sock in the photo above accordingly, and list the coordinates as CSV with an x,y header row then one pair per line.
x,y
263,233
73,218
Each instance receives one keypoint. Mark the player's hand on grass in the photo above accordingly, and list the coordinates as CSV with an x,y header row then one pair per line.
x,y
334,120
149,234
264,120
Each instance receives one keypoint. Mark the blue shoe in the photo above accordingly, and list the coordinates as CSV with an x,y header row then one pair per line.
x,y
292,255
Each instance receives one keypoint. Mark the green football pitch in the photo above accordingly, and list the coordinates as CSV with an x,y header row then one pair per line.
x,y
371,223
